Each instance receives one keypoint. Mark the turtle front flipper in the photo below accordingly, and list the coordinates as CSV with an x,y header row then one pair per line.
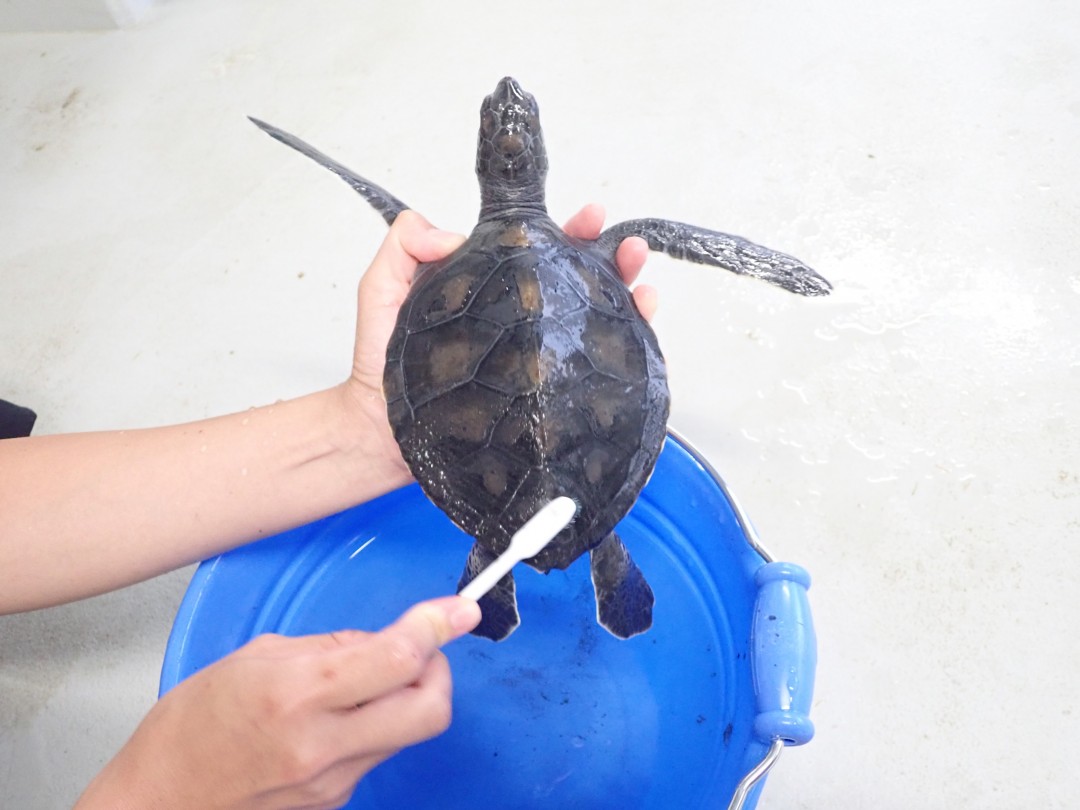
x,y
733,253
381,200
624,600
498,607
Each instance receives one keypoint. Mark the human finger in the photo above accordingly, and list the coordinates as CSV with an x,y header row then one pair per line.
x,y
411,241
632,252
396,656
334,640
405,716
647,300
384,287
630,258
419,239
272,645
367,735
586,223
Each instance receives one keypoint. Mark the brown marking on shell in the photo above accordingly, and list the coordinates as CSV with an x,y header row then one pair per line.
x,y
438,359
608,352
608,349
455,291
528,286
495,478
448,360
596,465
605,399
515,235
459,420
471,425
604,410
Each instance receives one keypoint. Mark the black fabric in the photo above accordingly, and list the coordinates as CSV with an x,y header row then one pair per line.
x,y
15,421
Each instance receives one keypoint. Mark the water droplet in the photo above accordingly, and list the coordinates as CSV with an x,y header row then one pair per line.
x,y
797,390
881,479
826,334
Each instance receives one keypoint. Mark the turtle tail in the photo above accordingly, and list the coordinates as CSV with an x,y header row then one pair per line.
x,y
381,200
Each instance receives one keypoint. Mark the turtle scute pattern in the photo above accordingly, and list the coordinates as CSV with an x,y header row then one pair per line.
x,y
530,375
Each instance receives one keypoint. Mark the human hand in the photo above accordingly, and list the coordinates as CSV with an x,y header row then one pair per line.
x,y
629,258
290,722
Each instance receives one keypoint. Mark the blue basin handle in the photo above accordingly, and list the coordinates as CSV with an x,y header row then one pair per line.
x,y
784,654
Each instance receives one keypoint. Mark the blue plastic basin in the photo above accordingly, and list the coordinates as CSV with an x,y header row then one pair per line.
x,y
561,714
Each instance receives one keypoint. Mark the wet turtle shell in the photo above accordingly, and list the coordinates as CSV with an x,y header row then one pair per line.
x,y
520,369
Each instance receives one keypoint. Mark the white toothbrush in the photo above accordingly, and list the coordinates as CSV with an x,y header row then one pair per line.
x,y
528,541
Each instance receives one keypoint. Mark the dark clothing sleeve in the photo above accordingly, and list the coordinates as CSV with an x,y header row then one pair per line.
x,y
15,421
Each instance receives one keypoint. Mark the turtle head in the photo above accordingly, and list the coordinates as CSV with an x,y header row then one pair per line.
x,y
511,161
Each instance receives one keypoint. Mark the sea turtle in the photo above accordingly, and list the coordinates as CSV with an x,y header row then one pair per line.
x,y
521,370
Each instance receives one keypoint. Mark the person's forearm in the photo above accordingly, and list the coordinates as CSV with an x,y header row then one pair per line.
x,y
81,514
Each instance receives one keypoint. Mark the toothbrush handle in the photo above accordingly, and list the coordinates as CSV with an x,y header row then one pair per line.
x,y
528,541
489,577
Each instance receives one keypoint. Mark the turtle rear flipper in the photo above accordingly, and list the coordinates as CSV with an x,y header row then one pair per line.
x,y
381,200
733,253
624,600
498,607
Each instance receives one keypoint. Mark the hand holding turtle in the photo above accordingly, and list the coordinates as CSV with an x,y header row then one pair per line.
x,y
629,257
290,722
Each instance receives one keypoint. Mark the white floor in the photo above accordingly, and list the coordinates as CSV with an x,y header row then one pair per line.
x,y
913,440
